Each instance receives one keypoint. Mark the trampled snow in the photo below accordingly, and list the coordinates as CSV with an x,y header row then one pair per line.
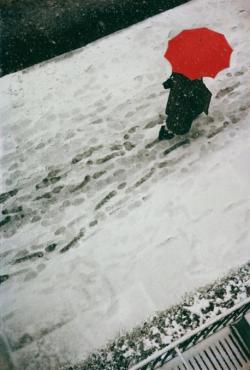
x,y
99,228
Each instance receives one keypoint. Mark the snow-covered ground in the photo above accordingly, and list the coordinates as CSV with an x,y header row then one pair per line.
x,y
164,327
98,228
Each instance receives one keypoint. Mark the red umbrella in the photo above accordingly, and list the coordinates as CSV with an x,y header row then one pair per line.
x,y
198,52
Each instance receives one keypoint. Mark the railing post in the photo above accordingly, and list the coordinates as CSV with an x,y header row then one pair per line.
x,y
182,358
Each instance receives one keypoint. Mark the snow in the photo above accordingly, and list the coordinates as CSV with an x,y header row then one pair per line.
x,y
198,305
73,131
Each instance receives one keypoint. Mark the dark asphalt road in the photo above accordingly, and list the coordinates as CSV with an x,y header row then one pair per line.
x,y
32,31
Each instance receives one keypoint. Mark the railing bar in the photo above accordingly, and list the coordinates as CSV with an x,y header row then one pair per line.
x,y
190,363
156,360
185,344
228,355
205,332
215,357
233,352
221,355
169,353
241,342
199,366
229,317
208,330
221,323
243,309
198,336
210,360
202,359
240,350
232,317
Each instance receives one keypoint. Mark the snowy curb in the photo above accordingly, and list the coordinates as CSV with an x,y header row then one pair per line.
x,y
167,326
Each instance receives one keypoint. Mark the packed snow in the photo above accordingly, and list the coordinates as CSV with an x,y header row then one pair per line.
x,y
99,228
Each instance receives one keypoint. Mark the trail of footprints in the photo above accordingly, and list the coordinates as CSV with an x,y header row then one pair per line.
x,y
100,179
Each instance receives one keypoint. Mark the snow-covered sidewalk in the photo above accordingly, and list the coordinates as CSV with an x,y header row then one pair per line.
x,y
98,228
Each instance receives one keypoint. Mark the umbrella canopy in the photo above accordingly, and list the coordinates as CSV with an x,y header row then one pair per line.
x,y
198,52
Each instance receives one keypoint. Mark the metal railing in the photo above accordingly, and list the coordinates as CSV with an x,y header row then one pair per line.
x,y
159,358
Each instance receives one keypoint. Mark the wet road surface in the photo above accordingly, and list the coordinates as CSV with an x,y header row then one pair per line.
x,y
34,31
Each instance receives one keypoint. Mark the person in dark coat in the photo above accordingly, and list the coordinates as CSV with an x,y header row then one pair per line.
x,y
187,99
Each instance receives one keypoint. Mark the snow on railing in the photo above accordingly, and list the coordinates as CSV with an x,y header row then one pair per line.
x,y
159,358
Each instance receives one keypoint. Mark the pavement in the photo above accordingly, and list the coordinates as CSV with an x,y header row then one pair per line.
x,y
34,31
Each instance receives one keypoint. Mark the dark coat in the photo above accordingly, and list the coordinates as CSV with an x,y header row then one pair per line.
x,y
187,99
